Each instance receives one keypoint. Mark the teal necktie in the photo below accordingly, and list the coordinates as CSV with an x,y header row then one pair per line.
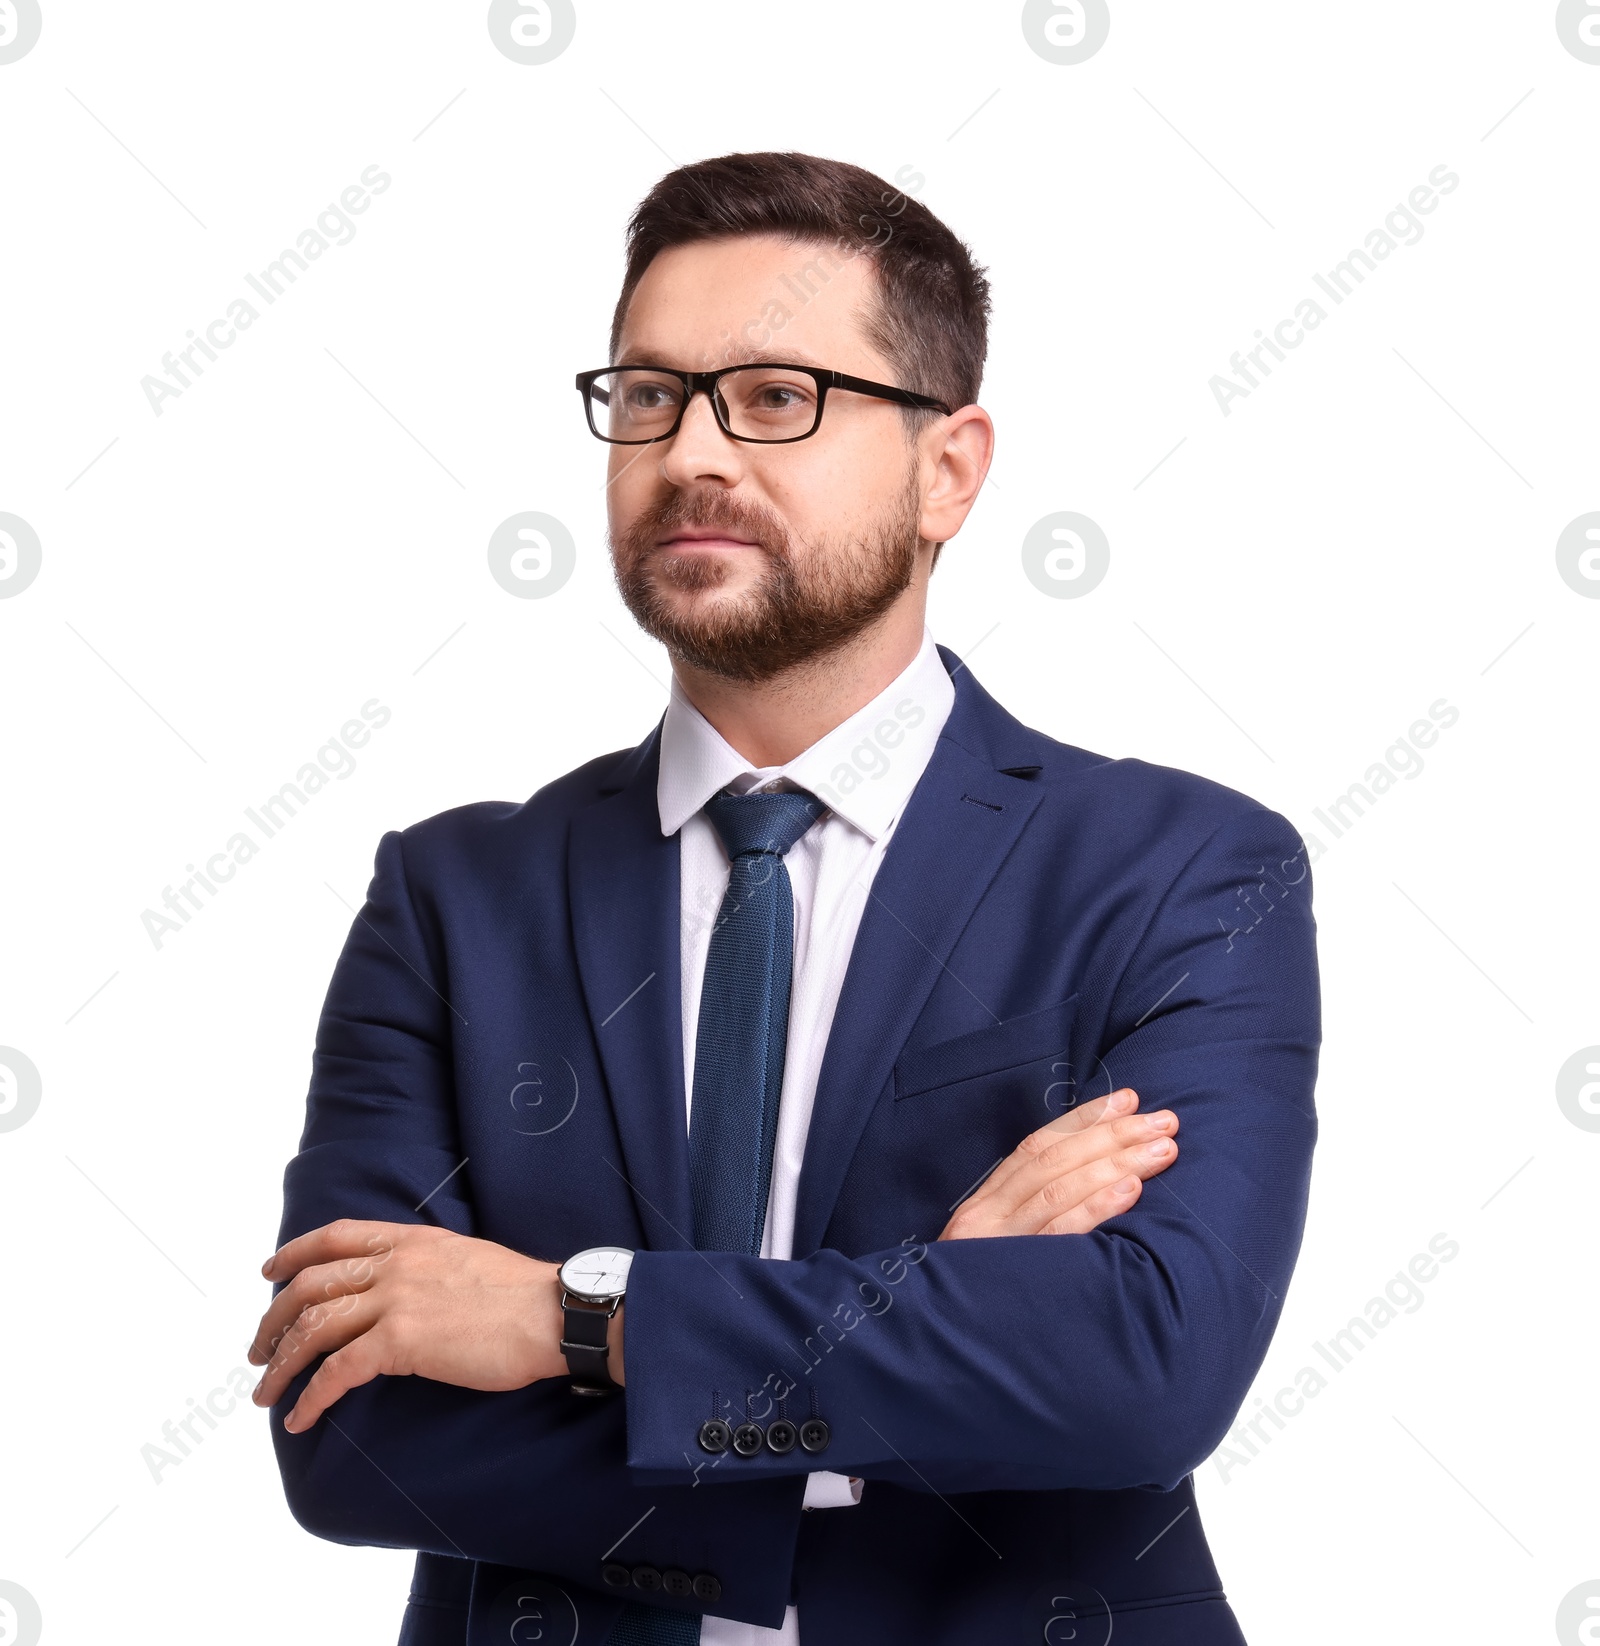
x,y
739,1047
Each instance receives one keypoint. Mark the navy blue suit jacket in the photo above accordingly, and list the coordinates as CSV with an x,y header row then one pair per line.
x,y
1047,925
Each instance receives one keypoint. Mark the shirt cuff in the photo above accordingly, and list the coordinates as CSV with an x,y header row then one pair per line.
x,y
827,1490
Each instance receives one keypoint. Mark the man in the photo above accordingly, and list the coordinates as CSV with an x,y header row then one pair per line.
x,y
842,966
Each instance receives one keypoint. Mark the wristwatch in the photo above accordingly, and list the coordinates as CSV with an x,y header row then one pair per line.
x,y
593,1285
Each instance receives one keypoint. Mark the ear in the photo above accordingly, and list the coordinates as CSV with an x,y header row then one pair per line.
x,y
956,453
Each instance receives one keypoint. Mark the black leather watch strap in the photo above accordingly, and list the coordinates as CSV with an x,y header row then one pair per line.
x,y
583,1341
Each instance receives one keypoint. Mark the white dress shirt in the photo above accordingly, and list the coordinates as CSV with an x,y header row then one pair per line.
x,y
864,770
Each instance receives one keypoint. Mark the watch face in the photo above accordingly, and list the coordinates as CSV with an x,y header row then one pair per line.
x,y
599,1274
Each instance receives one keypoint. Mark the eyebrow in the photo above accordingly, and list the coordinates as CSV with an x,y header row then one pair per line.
x,y
745,356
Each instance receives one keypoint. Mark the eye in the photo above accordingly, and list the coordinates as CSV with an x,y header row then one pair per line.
x,y
649,396
760,393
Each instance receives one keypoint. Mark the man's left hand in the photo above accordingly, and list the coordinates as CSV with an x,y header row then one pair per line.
x,y
407,1299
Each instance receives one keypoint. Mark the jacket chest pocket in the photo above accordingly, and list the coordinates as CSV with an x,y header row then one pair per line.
x,y
960,1106
1020,1043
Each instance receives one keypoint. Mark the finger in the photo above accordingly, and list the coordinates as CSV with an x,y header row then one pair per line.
x,y
1122,1196
1113,1106
1084,1115
348,1237
315,1285
1050,1160
320,1330
1062,1194
1044,1154
362,1361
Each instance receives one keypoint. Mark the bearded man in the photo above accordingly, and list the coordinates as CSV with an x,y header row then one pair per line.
x,y
741,1197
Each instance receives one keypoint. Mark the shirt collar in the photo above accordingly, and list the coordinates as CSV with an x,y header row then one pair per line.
x,y
864,769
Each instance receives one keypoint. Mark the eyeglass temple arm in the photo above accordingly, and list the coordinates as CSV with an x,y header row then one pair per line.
x,y
904,397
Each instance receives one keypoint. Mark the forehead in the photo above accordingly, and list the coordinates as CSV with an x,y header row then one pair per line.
x,y
753,297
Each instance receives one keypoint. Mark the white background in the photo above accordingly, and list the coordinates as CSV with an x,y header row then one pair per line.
x,y
306,526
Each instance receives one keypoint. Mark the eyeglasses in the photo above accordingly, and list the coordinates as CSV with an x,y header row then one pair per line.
x,y
768,405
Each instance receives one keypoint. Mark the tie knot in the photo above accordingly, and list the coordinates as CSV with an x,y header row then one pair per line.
x,y
763,822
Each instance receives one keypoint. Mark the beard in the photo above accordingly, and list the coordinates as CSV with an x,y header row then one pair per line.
x,y
802,608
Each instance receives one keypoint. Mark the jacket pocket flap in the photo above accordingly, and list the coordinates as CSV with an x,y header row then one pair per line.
x,y
1008,1045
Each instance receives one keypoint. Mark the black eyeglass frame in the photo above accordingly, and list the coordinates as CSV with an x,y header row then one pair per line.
x,y
705,382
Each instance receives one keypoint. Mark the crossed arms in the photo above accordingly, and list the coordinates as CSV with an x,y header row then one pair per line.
x,y
414,1300
1114,1355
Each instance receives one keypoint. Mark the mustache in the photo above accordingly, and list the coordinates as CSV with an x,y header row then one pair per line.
x,y
709,511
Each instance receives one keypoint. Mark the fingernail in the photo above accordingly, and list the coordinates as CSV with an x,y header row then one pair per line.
x,y
266,1268
290,1424
1129,1185
1158,1122
1159,1150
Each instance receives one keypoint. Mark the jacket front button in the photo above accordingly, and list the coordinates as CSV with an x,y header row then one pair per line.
x,y
646,1578
815,1434
714,1435
747,1439
706,1587
677,1583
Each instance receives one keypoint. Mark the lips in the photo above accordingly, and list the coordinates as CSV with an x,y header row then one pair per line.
x,y
704,539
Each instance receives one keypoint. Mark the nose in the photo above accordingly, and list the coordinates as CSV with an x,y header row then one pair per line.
x,y
700,452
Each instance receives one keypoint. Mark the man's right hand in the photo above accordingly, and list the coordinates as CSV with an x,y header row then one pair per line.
x,y
1071,1175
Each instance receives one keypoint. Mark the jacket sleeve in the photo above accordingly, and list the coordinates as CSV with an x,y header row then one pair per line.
x,y
1102,1361
534,1478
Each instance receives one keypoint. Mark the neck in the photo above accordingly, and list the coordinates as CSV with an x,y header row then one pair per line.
x,y
770,722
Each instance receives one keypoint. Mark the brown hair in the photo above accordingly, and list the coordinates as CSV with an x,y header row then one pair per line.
x,y
931,319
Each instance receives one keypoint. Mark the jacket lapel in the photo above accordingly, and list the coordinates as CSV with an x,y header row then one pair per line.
x,y
963,818
623,882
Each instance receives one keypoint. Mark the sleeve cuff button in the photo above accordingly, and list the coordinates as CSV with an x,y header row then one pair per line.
x,y
714,1435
